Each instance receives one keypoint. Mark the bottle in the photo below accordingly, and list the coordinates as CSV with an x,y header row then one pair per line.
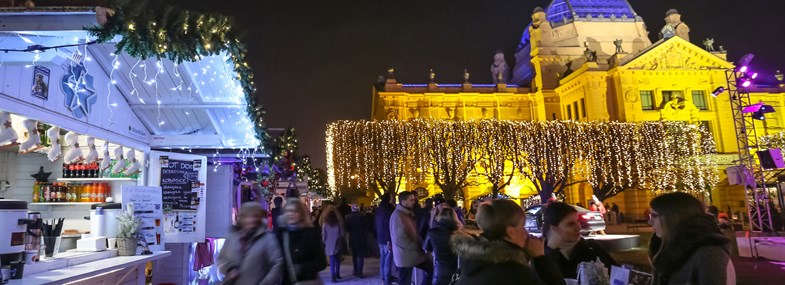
x,y
36,192
84,194
93,170
108,189
66,173
71,197
101,193
71,171
44,193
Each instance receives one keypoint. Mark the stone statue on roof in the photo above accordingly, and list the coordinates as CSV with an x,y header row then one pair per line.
x,y
499,68
674,26
708,43
538,17
618,43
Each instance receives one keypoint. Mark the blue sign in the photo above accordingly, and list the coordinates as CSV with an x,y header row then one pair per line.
x,y
78,88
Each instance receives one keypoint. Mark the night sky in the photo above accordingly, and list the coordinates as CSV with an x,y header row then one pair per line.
x,y
315,61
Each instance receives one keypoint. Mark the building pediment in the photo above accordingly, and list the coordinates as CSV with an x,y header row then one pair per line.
x,y
674,53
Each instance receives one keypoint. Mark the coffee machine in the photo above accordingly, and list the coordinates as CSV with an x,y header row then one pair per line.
x,y
13,228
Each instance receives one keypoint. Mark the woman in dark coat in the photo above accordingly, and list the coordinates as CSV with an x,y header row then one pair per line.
x,y
687,246
445,262
251,254
562,231
502,254
305,243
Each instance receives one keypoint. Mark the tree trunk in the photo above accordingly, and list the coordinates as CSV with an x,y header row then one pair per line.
x,y
546,193
495,191
448,191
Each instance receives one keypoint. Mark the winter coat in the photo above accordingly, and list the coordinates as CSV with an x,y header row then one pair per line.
x,y
445,262
424,218
261,262
500,262
406,244
698,254
584,250
307,250
356,226
275,213
382,222
332,237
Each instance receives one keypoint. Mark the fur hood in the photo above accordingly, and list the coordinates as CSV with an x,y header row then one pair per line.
x,y
693,234
483,250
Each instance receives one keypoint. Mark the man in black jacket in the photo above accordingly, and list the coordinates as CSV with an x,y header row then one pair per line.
x,y
382,225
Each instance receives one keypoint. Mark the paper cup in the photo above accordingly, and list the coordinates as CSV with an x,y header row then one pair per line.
x,y
111,243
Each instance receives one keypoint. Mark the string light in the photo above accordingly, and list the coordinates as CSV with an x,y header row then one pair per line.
x,y
109,87
659,156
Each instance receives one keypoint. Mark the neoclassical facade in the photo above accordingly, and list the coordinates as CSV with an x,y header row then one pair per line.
x,y
593,61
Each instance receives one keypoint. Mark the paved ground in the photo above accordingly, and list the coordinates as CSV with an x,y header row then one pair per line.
x,y
749,271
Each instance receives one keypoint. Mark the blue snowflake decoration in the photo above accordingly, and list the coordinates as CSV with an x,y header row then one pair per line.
x,y
79,92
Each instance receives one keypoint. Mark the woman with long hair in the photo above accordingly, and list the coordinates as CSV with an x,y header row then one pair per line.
x,y
251,254
445,262
564,244
503,252
301,243
687,246
332,236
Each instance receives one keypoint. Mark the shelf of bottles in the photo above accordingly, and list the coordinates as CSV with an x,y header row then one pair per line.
x,y
72,193
92,172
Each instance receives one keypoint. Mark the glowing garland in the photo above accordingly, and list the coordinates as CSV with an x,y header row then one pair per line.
x,y
659,156
153,29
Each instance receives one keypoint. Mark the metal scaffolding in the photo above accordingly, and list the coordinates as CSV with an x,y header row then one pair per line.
x,y
756,178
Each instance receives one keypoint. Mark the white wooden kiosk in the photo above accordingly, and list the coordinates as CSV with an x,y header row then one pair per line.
x,y
139,104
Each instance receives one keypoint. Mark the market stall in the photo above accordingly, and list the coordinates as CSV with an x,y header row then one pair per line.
x,y
86,131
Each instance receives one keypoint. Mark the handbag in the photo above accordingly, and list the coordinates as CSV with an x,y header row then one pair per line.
x,y
290,265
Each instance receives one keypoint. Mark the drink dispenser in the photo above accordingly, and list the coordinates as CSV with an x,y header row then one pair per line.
x,y
33,236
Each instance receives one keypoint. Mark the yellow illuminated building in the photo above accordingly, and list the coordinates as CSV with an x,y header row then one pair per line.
x,y
580,62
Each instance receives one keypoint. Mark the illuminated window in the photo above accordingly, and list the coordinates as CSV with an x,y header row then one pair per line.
x,y
575,109
647,102
699,99
667,96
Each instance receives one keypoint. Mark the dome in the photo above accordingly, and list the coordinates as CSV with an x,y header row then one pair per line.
x,y
563,11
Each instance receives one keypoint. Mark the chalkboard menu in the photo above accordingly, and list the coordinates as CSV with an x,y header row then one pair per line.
x,y
178,179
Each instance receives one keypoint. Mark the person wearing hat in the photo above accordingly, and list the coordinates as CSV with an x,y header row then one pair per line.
x,y
358,230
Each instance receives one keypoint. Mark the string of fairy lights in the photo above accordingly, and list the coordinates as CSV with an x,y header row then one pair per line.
x,y
658,156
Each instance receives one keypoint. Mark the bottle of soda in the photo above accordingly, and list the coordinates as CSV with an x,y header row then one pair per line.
x,y
36,192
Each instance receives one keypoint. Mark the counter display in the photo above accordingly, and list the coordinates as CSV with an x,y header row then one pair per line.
x,y
115,269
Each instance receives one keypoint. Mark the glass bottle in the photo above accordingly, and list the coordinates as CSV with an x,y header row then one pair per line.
x,y
84,195
36,192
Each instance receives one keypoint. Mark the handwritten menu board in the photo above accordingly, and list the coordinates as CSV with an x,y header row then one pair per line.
x,y
147,206
180,185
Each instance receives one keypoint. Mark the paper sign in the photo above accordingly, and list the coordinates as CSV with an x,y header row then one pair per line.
x,y
148,206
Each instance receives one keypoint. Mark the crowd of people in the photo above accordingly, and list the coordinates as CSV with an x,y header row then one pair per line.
x,y
293,245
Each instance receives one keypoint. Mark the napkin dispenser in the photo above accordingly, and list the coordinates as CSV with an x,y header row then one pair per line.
x,y
90,243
